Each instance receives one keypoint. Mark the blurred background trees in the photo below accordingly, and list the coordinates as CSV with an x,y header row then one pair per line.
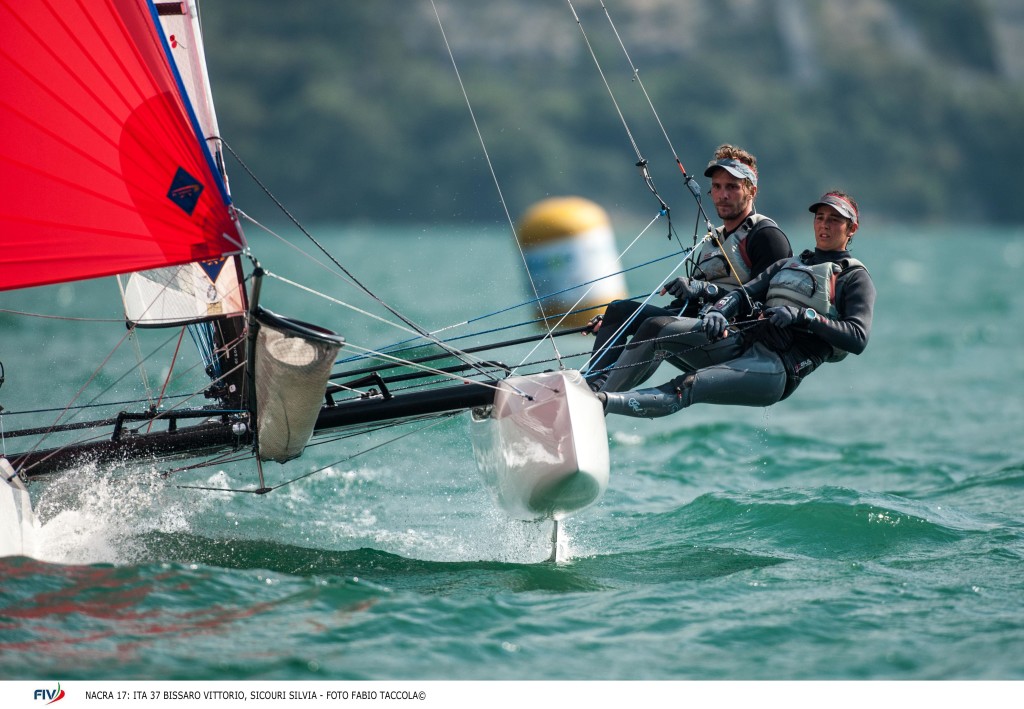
x,y
353,111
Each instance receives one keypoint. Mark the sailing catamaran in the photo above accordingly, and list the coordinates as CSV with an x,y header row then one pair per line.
x,y
112,164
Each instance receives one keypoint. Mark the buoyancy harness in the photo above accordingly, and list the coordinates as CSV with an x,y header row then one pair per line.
x,y
805,285
727,259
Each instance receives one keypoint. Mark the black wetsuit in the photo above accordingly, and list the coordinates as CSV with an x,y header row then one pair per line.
x,y
765,245
757,365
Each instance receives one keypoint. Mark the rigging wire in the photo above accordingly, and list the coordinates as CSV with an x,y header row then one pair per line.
x,y
355,281
734,327
373,354
441,419
509,308
3,437
622,329
60,317
490,165
587,292
170,372
641,163
691,183
57,424
140,365
264,490
96,437
461,355
82,389
202,337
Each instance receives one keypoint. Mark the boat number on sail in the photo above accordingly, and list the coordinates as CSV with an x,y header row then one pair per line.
x,y
185,191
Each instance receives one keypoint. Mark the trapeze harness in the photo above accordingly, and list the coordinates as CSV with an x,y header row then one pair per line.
x,y
810,286
725,261
716,264
746,376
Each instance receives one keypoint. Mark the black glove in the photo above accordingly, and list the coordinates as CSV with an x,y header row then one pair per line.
x,y
715,324
684,288
783,315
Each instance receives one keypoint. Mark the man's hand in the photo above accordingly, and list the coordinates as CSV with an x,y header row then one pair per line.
x,y
716,326
684,288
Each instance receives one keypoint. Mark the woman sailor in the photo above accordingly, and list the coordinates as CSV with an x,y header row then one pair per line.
x,y
818,308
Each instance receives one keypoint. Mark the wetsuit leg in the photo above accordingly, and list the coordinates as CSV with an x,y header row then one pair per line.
x,y
611,339
755,378
681,339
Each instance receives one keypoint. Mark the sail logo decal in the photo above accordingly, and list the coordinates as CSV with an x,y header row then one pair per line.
x,y
212,269
49,695
185,191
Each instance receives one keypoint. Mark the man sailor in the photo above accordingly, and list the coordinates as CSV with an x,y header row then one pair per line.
x,y
741,249
818,307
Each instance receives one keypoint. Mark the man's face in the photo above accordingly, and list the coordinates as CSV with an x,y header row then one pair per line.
x,y
732,196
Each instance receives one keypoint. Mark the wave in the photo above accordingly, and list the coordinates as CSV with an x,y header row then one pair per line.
x,y
1008,476
824,522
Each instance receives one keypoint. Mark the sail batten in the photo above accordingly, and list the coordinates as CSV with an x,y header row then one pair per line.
x,y
103,165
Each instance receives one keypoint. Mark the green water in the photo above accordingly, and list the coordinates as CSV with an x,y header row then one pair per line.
x,y
867,528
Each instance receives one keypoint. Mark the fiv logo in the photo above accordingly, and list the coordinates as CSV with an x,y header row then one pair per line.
x,y
49,695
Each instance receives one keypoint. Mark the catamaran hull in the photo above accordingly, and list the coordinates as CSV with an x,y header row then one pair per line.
x,y
542,448
18,521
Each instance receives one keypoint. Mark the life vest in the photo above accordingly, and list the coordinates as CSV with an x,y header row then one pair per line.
x,y
809,286
713,265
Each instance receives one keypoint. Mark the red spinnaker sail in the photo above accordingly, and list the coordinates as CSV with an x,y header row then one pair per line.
x,y
101,167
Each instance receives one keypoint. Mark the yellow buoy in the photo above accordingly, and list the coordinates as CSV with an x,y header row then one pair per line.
x,y
568,241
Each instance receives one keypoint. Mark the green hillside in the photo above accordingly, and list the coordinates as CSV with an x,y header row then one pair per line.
x,y
353,110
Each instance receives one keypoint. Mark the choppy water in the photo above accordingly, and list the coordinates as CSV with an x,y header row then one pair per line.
x,y
868,528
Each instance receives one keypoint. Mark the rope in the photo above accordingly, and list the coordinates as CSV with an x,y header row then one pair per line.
x,y
514,307
641,161
623,327
464,357
587,292
82,389
60,317
139,364
737,327
85,439
202,337
170,371
690,182
373,354
490,166
264,490
355,281
688,179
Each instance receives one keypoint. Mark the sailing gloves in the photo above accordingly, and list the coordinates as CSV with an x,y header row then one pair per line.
x,y
686,288
716,318
715,324
783,315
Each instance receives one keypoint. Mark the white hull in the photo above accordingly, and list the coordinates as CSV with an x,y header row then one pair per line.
x,y
546,456
18,521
